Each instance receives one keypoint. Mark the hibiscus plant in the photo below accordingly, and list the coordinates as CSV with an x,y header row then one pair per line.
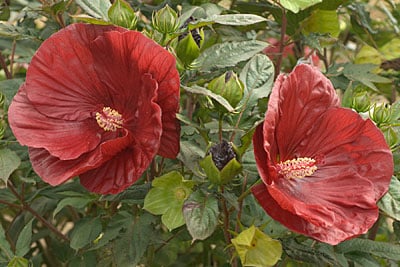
x,y
199,133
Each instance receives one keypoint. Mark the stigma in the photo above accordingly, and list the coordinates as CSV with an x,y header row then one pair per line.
x,y
109,119
297,168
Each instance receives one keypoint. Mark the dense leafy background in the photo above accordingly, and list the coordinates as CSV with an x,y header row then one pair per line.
x,y
174,216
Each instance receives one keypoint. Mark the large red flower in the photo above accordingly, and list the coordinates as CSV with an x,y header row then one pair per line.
x,y
99,102
323,167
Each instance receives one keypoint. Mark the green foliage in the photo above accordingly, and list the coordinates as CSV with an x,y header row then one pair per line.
x,y
355,43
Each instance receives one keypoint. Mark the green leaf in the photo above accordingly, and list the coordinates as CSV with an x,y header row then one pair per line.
x,y
24,240
379,249
190,154
9,162
296,5
390,202
18,262
96,8
258,77
122,14
76,202
201,215
166,198
85,231
256,248
363,73
91,20
5,250
204,91
322,21
10,87
230,19
228,54
132,245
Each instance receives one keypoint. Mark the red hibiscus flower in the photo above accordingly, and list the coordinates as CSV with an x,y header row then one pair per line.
x,y
323,167
99,102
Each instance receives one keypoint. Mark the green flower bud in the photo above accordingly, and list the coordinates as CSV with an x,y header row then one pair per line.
x,y
165,20
229,87
122,14
381,114
220,164
361,102
391,137
188,46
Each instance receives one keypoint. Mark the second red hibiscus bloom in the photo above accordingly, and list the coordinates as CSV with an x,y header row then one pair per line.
x,y
99,102
323,167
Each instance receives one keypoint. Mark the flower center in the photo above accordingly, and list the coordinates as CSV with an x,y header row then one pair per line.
x,y
109,119
297,168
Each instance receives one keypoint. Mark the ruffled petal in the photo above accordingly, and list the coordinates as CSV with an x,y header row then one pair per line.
x,y
322,215
61,138
265,168
132,55
341,140
299,100
61,78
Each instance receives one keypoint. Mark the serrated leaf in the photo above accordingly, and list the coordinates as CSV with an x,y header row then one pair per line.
x,y
363,73
379,249
195,89
24,240
76,202
390,202
122,14
18,262
166,198
297,5
96,8
9,162
85,231
201,215
228,54
5,250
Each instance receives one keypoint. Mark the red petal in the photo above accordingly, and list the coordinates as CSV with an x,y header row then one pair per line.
x,y
332,220
132,53
295,103
345,141
61,80
262,157
63,139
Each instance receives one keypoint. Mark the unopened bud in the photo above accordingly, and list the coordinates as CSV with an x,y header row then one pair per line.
x,y
391,137
165,20
381,114
228,86
361,102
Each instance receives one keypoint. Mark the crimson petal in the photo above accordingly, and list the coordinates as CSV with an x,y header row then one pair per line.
x,y
63,139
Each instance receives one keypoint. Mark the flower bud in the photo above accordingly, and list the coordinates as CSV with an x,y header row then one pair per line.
x,y
229,87
122,14
381,114
189,44
361,102
165,20
391,137
220,164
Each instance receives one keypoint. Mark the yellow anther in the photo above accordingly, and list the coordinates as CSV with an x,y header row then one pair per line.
x,y
297,168
109,119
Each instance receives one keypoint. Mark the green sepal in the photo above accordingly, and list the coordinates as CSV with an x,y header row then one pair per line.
x,y
187,49
165,20
229,86
231,169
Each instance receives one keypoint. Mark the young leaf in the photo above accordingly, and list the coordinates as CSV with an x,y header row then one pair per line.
x,y
322,21
85,231
9,162
228,54
18,262
201,215
390,202
24,240
296,5
166,198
